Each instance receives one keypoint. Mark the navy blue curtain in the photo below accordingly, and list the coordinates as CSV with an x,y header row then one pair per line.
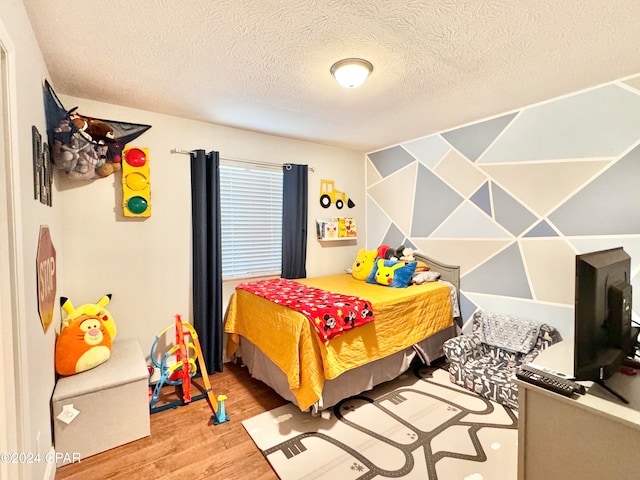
x,y
207,257
295,195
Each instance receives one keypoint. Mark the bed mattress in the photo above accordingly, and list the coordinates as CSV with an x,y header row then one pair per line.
x,y
403,317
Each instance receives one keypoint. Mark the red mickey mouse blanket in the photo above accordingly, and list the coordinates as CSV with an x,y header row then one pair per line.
x,y
330,313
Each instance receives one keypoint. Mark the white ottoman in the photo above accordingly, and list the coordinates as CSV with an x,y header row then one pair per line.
x,y
113,401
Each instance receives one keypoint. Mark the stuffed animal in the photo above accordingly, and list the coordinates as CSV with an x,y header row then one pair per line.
x,y
385,274
108,168
83,344
92,129
385,251
96,309
79,122
99,135
85,338
99,130
363,264
392,273
85,168
405,254
65,157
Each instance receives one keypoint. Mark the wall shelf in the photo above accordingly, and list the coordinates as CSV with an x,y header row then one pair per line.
x,y
342,239
336,229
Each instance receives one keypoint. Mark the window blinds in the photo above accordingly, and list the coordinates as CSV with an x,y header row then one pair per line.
x,y
251,221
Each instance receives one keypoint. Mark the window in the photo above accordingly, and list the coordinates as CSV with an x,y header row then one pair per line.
x,y
251,221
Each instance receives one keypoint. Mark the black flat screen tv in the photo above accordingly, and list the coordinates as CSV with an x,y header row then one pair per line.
x,y
604,336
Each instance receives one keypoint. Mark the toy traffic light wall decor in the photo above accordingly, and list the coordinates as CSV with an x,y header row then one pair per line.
x,y
136,188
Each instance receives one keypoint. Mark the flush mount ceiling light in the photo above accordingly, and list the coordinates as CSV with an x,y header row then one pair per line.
x,y
351,72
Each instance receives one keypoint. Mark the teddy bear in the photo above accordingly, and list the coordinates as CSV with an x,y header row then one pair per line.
x,y
92,129
79,122
107,168
99,130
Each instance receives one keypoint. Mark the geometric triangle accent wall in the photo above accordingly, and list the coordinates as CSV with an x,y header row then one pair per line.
x,y
543,186
609,205
504,274
457,225
377,223
541,229
394,237
542,256
599,123
394,193
461,174
472,140
482,198
372,174
390,160
510,213
514,198
468,253
634,82
428,150
434,202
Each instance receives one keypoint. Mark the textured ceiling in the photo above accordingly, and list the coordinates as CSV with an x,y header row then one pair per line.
x,y
263,65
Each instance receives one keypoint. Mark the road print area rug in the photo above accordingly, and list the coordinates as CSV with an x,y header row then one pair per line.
x,y
419,426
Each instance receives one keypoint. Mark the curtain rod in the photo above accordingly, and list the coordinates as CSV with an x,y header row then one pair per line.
x,y
237,160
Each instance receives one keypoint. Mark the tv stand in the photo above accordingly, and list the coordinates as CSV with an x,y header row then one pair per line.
x,y
611,391
552,427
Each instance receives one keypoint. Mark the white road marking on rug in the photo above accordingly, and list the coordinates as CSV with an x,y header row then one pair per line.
x,y
474,476
282,418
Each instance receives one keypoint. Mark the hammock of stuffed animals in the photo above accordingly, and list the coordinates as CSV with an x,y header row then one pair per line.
x,y
85,147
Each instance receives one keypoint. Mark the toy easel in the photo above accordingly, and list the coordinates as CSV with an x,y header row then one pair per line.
x,y
180,372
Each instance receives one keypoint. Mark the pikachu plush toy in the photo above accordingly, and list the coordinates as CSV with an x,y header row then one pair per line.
x,y
385,273
85,338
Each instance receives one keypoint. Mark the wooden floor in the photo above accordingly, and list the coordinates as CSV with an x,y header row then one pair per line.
x,y
185,445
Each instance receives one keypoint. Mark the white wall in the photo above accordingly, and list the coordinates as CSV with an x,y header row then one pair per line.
x,y
33,349
146,263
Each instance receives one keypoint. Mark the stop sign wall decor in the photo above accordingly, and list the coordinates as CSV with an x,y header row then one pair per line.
x,y
46,273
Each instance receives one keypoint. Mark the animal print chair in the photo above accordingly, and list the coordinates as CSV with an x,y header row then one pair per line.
x,y
486,360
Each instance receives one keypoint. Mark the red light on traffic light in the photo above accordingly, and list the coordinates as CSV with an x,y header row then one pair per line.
x,y
135,157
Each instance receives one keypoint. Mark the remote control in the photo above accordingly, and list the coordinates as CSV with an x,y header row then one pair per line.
x,y
548,381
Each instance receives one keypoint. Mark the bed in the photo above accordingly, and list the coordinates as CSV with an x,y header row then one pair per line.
x,y
280,347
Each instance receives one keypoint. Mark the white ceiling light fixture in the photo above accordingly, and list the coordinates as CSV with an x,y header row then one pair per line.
x,y
351,72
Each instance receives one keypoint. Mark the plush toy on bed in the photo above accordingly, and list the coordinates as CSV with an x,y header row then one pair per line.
x,y
392,273
405,254
363,264
85,338
385,251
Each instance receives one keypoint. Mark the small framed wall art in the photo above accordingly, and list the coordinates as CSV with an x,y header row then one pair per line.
x,y
42,169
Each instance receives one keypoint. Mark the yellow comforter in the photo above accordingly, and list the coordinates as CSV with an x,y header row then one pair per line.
x,y
404,316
